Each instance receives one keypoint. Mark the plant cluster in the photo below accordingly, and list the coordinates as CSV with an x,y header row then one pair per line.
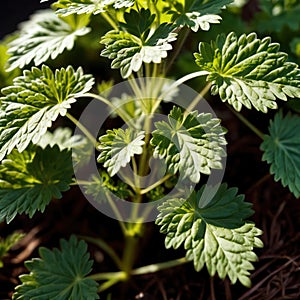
x,y
145,39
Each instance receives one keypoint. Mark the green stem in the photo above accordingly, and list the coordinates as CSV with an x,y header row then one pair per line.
x,y
159,266
105,247
82,128
110,21
154,185
247,122
109,275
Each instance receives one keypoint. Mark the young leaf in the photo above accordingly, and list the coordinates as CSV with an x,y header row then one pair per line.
x,y
35,100
68,7
118,147
44,36
214,234
30,179
282,150
248,71
191,144
59,274
7,243
198,14
129,49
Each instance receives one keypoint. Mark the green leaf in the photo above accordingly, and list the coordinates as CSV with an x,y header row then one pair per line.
x,y
198,14
44,36
282,150
68,7
118,147
214,234
59,274
30,179
191,144
129,49
248,71
7,243
62,137
36,100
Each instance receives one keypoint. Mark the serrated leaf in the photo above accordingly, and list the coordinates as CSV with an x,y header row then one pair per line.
x,y
191,144
68,7
7,243
117,148
30,179
248,71
62,137
59,274
129,49
215,234
198,14
44,36
282,150
35,100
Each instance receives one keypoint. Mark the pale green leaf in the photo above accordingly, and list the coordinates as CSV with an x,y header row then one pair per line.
x,y
44,36
197,14
59,274
117,148
68,7
191,144
35,100
138,44
214,234
30,179
248,71
7,243
282,150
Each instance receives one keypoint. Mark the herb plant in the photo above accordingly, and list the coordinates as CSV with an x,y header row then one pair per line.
x,y
211,222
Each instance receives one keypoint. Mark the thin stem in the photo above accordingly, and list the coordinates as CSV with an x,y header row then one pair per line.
x,y
82,128
154,185
108,275
159,266
105,247
198,98
178,47
109,20
247,122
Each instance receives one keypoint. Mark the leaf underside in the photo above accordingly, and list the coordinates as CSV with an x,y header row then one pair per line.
x,y
59,274
35,100
190,145
44,36
248,71
214,234
282,150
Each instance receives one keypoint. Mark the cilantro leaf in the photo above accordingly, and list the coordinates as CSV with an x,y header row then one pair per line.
x,y
215,234
129,49
282,150
30,179
44,36
59,274
118,147
35,100
248,71
191,145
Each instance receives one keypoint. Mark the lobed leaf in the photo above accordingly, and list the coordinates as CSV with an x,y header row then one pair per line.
x,y
69,7
30,179
35,100
282,150
117,148
248,71
44,36
129,49
214,232
59,274
191,144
